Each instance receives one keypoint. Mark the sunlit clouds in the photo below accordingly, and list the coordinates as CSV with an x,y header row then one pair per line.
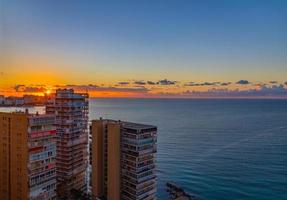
x,y
162,89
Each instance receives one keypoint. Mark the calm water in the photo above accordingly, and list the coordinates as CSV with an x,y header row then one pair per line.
x,y
215,149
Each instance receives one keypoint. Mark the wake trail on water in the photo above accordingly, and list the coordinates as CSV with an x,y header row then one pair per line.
x,y
266,132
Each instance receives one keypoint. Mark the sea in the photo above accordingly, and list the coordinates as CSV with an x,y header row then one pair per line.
x,y
215,149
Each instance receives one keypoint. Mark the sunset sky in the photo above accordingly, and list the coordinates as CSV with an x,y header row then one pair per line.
x,y
159,48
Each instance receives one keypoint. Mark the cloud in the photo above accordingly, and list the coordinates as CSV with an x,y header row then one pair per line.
x,y
151,83
243,82
273,82
192,84
145,88
275,89
93,88
29,89
260,84
19,88
225,83
35,89
166,82
123,83
209,83
81,87
263,91
139,83
2,74
84,88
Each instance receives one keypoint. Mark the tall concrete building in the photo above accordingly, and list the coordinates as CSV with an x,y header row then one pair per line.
x,y
71,111
27,156
123,163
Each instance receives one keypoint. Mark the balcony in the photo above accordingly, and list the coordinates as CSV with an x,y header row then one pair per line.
x,y
146,194
145,168
148,177
40,134
138,142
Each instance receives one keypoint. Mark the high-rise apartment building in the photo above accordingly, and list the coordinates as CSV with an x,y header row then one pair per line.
x,y
27,156
90,160
123,163
71,112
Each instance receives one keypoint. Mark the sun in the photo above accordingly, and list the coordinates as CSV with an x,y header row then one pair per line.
x,y
48,92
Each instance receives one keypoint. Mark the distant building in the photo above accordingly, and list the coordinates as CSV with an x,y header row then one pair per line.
x,y
33,100
30,100
19,101
123,163
2,99
13,101
71,111
10,101
27,156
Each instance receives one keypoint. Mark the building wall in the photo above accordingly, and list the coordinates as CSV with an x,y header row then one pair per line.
x,y
13,156
4,157
114,161
98,159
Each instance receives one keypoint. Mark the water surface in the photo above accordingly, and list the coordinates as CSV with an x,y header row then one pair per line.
x,y
215,149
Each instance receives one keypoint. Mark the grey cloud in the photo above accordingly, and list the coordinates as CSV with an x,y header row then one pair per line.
x,y
107,89
124,83
192,84
264,91
80,87
166,82
139,82
225,84
209,83
19,88
34,89
243,82
279,89
202,84
273,82
260,84
151,83
29,89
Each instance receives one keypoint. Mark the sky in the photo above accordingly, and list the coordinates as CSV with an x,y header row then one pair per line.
x,y
159,48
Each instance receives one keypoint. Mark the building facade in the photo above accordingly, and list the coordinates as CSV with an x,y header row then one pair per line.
x,y
27,156
123,163
71,112
2,100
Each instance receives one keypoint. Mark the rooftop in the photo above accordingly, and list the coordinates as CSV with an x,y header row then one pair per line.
x,y
26,112
130,125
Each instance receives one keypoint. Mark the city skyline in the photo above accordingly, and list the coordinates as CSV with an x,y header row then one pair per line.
x,y
160,49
